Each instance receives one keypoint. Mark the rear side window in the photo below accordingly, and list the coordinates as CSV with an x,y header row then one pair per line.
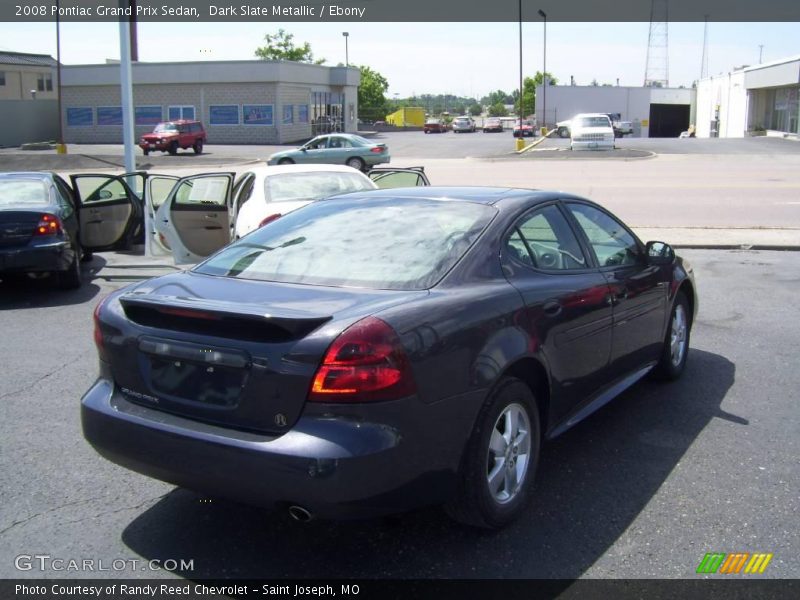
x,y
368,242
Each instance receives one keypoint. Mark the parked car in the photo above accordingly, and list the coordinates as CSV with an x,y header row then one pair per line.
x,y
173,135
383,350
463,125
492,124
47,226
339,148
263,194
195,216
591,131
562,128
434,126
527,129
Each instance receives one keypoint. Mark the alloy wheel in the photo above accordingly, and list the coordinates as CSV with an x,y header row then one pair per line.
x,y
509,453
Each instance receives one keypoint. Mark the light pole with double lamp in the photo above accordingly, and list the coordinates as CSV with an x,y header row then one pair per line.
x,y
520,143
346,49
544,76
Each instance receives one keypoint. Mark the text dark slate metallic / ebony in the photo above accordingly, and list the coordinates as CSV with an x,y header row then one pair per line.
x,y
384,350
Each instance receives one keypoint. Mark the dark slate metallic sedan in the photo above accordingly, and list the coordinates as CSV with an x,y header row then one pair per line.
x,y
386,349
46,226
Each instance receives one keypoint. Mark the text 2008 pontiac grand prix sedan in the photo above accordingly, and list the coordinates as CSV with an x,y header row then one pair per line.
x,y
386,349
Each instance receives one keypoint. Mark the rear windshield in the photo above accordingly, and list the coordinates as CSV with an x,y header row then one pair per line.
x,y
377,243
313,186
594,122
15,192
165,127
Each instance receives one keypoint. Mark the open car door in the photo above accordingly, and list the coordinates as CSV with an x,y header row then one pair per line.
x,y
109,212
388,177
156,190
195,219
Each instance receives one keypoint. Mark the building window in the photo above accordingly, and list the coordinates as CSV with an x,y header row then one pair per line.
x,y
302,113
257,114
2,77
288,114
175,113
44,82
223,114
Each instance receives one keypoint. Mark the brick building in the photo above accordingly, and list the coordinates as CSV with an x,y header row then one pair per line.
x,y
239,102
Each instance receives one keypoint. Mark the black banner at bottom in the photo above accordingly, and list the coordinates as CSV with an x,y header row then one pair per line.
x,y
421,589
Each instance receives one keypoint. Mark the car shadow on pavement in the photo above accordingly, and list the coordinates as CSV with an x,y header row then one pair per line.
x,y
592,483
23,292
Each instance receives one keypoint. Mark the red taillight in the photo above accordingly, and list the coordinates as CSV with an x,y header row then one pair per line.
x,y
377,149
365,363
269,219
48,225
98,332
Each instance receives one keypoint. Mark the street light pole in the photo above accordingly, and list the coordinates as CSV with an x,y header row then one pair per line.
x,y
346,49
61,148
520,68
544,74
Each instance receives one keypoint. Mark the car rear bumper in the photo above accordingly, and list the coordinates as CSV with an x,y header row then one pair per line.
x,y
51,256
333,467
593,145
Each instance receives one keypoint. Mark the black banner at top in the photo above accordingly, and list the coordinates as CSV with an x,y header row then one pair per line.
x,y
284,11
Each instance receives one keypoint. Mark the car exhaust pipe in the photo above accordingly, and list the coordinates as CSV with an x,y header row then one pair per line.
x,y
298,513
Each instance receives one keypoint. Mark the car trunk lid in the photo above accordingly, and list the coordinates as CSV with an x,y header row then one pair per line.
x,y
17,226
231,352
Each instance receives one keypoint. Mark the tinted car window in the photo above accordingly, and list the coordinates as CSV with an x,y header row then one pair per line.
x,y
378,243
611,242
544,239
100,189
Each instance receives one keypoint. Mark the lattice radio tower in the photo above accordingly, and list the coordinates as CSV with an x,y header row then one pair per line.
x,y
657,70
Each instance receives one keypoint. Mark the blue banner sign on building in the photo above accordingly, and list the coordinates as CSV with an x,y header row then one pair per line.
x,y
257,114
109,115
223,114
80,116
148,115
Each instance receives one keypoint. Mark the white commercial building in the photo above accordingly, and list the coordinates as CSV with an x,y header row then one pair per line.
x,y
751,101
653,111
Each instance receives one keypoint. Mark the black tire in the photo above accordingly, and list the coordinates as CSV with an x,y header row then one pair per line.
x,y
198,147
563,132
87,256
669,368
71,278
286,161
474,503
173,148
146,151
426,131
355,162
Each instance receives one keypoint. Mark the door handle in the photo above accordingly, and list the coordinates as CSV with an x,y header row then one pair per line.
x,y
211,216
552,308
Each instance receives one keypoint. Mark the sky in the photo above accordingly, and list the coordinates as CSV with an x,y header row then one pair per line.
x,y
467,59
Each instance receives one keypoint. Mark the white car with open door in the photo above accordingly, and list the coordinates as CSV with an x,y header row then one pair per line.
x,y
265,193
195,216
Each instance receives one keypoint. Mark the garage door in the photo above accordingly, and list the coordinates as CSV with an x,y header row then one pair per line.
x,y
668,120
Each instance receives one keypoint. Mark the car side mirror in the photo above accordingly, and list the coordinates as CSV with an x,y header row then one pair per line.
x,y
659,253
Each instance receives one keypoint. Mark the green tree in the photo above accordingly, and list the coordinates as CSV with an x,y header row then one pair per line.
x,y
498,110
372,103
280,46
529,92
475,109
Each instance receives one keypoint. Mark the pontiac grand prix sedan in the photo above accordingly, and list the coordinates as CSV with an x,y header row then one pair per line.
x,y
387,349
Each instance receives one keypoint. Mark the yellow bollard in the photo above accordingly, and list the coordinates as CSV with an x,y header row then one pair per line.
x,y
61,148
544,131
520,143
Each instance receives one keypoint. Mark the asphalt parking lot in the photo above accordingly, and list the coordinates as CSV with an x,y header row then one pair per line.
x,y
644,488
